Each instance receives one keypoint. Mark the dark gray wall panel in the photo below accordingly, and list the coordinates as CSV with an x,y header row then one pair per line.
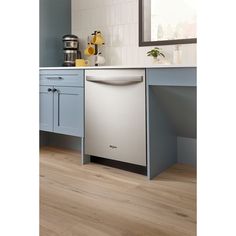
x,y
179,105
55,21
162,149
187,150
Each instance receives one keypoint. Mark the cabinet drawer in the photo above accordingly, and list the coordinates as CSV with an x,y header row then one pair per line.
x,y
62,77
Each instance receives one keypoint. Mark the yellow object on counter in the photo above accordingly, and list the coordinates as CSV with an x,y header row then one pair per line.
x,y
90,50
98,39
81,62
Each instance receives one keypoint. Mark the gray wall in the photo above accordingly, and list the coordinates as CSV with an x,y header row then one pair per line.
x,y
187,150
162,137
55,21
179,106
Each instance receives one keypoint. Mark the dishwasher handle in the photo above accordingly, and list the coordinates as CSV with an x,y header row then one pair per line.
x,y
115,80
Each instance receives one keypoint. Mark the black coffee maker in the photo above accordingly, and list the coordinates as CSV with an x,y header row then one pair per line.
x,y
71,49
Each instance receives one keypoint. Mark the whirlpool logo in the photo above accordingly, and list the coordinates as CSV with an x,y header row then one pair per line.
x,y
112,146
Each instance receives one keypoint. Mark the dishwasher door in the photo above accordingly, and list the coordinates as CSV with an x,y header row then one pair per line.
x,y
115,115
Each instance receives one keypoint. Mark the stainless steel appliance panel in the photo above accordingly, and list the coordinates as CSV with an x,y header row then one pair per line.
x,y
115,123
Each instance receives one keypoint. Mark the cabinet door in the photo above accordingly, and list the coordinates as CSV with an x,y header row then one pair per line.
x,y
68,111
46,108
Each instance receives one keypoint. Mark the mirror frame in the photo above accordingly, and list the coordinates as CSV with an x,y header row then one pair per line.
x,y
143,43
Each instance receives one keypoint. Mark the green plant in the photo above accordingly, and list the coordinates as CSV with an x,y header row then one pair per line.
x,y
155,52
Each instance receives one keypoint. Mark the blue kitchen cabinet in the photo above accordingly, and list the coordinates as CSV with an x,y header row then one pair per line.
x,y
46,111
68,111
62,101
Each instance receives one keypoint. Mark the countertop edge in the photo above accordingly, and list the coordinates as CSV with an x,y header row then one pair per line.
x,y
118,67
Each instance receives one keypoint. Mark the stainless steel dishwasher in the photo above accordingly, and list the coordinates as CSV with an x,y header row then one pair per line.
x,y
115,123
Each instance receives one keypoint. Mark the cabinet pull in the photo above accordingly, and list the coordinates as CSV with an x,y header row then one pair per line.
x,y
49,89
56,90
58,114
55,77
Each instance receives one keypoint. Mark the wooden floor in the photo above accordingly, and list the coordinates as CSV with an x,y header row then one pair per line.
x,y
94,200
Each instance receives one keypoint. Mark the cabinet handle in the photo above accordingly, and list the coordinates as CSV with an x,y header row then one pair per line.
x,y
55,77
49,89
56,90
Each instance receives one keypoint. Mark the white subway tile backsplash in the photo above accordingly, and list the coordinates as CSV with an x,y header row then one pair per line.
x,y
115,56
109,16
126,35
132,37
123,56
131,55
118,21
115,2
113,15
135,12
118,13
94,16
123,13
115,36
108,37
121,34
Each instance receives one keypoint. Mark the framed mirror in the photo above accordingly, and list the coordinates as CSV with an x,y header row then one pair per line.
x,y
166,22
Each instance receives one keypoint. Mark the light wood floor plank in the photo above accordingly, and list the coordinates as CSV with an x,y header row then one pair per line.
x,y
102,201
